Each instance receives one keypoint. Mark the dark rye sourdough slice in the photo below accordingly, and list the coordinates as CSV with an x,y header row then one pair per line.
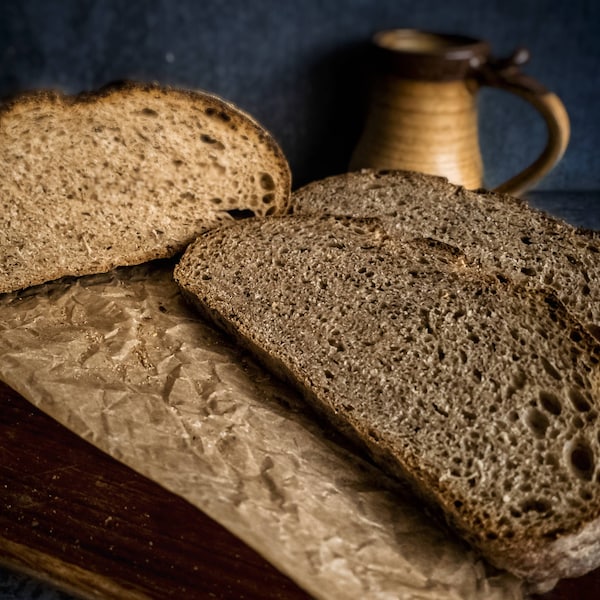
x,y
497,231
483,394
124,175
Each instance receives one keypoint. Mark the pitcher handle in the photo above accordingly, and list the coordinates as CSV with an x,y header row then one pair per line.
x,y
505,74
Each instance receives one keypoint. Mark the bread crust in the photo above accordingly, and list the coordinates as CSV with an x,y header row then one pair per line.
x,y
116,88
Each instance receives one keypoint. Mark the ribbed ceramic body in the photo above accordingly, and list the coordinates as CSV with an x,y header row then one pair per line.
x,y
426,126
423,111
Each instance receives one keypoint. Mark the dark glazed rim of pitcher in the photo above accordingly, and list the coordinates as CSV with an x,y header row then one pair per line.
x,y
404,52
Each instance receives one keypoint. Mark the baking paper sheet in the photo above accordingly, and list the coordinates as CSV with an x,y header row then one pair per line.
x,y
123,362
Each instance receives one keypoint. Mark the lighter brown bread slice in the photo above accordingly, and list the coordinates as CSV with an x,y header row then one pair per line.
x,y
125,175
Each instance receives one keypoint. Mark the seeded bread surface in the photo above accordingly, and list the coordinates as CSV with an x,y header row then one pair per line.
x,y
127,174
482,393
496,230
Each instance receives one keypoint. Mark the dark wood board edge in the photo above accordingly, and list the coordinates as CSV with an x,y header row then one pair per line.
x,y
73,516
69,578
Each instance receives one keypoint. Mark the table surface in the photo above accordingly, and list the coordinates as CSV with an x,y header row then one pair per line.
x,y
76,520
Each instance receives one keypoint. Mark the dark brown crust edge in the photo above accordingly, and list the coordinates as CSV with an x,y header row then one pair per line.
x,y
229,109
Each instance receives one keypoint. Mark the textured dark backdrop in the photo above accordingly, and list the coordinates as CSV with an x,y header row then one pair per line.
x,y
295,65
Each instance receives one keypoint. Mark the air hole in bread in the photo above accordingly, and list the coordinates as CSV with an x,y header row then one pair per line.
x,y
238,213
537,421
550,369
526,487
536,505
554,534
554,433
519,378
469,416
541,332
550,402
510,391
579,380
594,330
439,410
580,459
578,401
148,112
266,182
549,278
337,344
373,434
575,336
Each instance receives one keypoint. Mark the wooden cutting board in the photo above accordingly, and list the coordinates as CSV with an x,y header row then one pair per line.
x,y
75,517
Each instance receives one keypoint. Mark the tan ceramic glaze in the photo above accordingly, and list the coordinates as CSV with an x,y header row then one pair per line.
x,y
423,112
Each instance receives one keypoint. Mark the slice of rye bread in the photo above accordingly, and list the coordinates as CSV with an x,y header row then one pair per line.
x,y
482,393
497,231
127,174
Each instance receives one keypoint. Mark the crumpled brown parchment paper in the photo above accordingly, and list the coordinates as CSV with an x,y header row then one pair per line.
x,y
123,362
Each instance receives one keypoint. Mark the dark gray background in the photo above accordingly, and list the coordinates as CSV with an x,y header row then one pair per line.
x,y
296,65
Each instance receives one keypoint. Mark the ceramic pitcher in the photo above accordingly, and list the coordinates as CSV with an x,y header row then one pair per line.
x,y
423,110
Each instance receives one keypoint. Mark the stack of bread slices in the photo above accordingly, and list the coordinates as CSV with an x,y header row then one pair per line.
x,y
453,335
